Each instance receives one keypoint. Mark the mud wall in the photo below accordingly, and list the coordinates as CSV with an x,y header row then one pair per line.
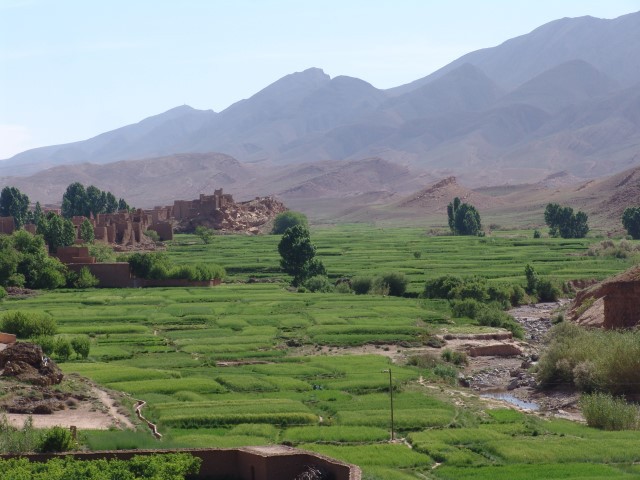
x,y
7,225
110,275
621,307
258,463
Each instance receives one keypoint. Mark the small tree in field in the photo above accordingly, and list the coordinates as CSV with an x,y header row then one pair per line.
x,y
298,255
564,223
631,221
463,218
288,219
205,234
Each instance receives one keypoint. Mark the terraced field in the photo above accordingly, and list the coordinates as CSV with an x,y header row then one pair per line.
x,y
256,363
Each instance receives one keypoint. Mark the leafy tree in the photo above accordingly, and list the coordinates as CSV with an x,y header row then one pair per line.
x,y
63,348
96,200
57,231
75,201
532,279
122,205
81,345
288,219
463,218
564,223
205,234
298,255
86,232
111,205
37,214
631,221
24,262
14,204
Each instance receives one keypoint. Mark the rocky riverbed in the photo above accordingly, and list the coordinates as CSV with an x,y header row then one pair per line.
x,y
510,378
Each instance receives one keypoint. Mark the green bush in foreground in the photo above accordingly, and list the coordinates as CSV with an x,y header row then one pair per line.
x,y
28,324
167,466
57,439
604,411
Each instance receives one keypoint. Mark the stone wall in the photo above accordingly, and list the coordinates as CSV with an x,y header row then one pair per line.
x,y
249,463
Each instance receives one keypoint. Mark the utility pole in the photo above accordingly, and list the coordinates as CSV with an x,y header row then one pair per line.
x,y
391,398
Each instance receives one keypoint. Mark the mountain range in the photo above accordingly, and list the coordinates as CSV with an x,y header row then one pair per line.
x,y
564,97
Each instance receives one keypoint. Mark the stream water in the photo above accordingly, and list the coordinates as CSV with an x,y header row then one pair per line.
x,y
512,400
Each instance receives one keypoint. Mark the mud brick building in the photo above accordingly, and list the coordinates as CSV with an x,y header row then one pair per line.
x,y
7,225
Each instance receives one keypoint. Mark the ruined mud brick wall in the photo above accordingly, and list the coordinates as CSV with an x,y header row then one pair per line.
x,y
110,275
7,338
7,225
164,229
74,255
621,305
249,463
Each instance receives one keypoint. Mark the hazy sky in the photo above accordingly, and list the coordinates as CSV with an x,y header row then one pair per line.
x,y
71,69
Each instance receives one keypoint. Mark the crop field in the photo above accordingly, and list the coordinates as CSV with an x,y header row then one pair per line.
x,y
256,363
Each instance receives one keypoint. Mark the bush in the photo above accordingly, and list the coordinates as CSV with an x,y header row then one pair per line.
x,y
536,233
319,283
85,279
547,291
468,307
81,346
495,318
288,219
28,324
455,357
3,293
63,349
442,287
396,282
205,234
57,439
517,295
343,287
361,285
153,235
103,253
47,344
606,412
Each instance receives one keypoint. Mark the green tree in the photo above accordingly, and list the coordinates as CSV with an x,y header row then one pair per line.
x,y
562,222
631,221
298,255
122,205
37,213
85,279
75,201
463,218
96,200
86,232
205,234
81,345
532,279
57,231
111,205
14,204
288,219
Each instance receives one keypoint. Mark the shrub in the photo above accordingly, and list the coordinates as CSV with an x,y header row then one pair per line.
x,y
85,279
606,412
468,307
16,440
57,439
442,287
153,235
361,285
81,346
424,360
495,318
288,219
343,287
536,233
102,252
448,373
547,291
3,293
319,283
205,234
532,279
63,349
28,324
396,281
455,357
47,344
517,295
378,287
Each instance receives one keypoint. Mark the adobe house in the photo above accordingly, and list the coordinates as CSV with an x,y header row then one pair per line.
x,y
275,462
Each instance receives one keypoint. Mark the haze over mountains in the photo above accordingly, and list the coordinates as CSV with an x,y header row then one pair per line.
x,y
565,97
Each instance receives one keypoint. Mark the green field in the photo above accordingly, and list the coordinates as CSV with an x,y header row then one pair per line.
x,y
288,377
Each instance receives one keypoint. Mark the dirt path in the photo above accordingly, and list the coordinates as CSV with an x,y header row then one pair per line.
x,y
86,415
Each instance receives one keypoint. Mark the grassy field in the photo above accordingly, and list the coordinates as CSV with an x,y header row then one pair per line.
x,y
254,363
